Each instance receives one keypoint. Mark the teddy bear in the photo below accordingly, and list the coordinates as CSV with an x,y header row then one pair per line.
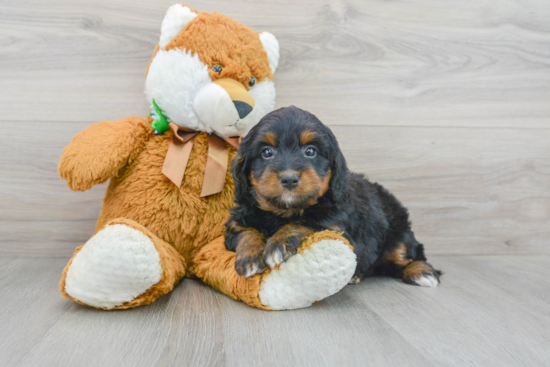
x,y
209,81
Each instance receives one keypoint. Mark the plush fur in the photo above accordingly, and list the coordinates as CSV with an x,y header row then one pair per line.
x,y
219,40
134,262
292,180
205,48
323,262
176,18
171,263
151,231
176,90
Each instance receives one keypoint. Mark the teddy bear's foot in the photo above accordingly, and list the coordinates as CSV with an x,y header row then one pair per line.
x,y
324,264
123,265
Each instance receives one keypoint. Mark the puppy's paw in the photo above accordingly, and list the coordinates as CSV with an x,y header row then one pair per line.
x,y
276,252
284,243
426,280
355,280
275,255
248,266
422,274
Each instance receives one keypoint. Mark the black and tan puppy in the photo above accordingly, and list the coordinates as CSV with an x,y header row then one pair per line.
x,y
291,180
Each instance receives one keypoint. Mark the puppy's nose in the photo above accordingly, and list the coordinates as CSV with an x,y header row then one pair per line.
x,y
243,108
289,181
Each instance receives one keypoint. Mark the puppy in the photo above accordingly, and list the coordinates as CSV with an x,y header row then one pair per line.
x,y
291,180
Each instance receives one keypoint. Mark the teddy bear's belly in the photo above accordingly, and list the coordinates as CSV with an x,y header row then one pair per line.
x,y
179,216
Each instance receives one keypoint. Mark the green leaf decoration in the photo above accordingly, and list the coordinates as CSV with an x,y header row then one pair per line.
x,y
161,123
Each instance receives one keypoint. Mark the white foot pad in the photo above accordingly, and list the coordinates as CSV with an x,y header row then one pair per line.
x,y
319,272
115,266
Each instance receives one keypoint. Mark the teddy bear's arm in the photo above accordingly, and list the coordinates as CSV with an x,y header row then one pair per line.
x,y
99,152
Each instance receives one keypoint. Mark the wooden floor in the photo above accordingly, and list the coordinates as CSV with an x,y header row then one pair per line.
x,y
489,311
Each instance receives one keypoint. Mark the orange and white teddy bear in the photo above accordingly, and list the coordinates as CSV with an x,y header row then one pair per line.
x,y
209,81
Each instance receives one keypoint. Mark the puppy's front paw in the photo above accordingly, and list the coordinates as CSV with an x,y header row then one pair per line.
x,y
249,266
278,251
275,254
284,243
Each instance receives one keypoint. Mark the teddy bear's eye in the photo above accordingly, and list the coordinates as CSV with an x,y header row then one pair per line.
x,y
217,68
251,82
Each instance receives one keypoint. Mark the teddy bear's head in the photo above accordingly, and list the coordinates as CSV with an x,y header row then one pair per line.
x,y
211,73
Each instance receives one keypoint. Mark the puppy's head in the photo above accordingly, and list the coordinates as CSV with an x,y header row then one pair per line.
x,y
287,162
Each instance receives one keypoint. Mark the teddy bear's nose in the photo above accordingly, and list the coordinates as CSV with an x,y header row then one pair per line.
x,y
243,108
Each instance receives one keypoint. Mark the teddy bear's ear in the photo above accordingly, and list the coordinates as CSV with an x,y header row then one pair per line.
x,y
176,18
271,46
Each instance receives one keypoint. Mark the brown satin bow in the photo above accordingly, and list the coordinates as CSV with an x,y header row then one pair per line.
x,y
179,151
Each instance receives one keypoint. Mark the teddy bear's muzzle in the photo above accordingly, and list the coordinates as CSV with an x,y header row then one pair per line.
x,y
223,104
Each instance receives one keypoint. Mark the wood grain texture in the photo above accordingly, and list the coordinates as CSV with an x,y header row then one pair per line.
x,y
473,63
489,311
448,105
485,192
469,191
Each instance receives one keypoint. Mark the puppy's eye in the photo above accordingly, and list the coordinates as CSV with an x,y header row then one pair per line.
x,y
310,152
217,68
267,153
251,82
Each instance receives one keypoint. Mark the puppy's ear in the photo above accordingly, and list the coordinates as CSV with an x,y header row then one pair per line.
x,y
339,170
239,168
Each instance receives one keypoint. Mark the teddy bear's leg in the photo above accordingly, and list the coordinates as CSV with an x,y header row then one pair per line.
x,y
324,264
123,265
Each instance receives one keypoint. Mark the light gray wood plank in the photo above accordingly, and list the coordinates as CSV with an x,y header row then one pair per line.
x,y
198,326
346,333
473,63
30,304
480,191
34,200
45,329
101,49
469,191
179,329
489,311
